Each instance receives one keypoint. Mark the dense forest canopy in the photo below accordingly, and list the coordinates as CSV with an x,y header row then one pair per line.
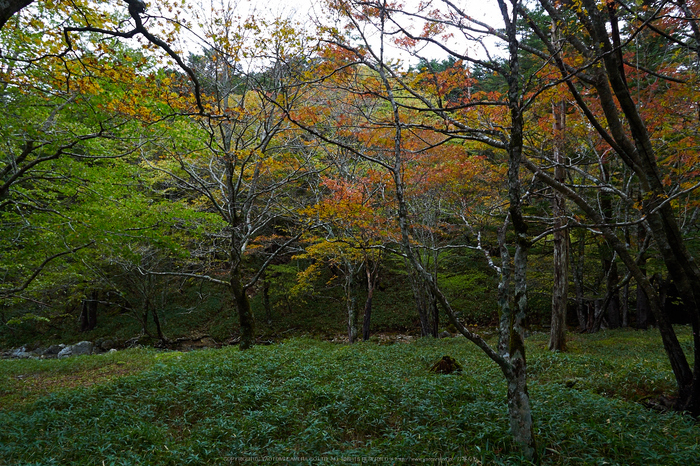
x,y
563,160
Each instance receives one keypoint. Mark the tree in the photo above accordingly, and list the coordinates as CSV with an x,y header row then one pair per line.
x,y
72,96
395,125
560,290
353,240
245,163
600,64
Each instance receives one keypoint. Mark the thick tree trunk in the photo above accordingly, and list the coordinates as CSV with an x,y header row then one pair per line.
x,y
246,319
643,310
519,410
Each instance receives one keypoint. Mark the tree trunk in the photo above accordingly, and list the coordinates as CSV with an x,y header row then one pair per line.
x,y
625,305
246,319
367,317
643,310
352,319
266,302
424,300
371,272
625,296
638,153
519,410
513,364
156,320
504,294
434,316
613,309
84,323
88,313
607,256
520,414
560,288
578,267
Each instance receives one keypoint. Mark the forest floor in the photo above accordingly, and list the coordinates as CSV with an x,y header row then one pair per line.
x,y
305,401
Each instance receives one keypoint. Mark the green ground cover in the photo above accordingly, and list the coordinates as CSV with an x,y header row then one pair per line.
x,y
310,402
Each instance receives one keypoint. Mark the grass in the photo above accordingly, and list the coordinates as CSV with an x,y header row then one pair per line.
x,y
310,402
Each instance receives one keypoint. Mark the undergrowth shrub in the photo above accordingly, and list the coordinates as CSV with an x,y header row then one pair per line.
x,y
305,398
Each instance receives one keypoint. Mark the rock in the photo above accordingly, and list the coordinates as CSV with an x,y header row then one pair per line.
x,y
21,353
132,342
84,347
107,345
53,350
445,334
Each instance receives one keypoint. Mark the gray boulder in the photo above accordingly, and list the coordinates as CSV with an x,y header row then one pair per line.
x,y
84,347
53,350
21,353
